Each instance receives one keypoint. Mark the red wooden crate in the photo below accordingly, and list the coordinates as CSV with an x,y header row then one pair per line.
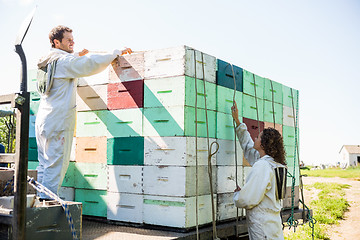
x,y
123,95
253,127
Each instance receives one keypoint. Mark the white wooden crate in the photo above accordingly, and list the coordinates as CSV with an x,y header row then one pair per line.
x,y
178,61
97,79
125,179
125,207
176,151
226,208
226,181
226,154
129,67
67,193
288,116
177,181
91,98
177,212
73,150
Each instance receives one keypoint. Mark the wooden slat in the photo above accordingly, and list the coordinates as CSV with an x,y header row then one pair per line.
x,y
7,158
9,98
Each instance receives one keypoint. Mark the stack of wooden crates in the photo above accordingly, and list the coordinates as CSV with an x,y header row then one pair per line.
x,y
134,153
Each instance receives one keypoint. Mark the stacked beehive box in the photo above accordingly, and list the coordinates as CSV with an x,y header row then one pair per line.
x,y
141,136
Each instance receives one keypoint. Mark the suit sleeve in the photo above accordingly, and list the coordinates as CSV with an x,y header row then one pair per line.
x,y
256,186
247,144
77,67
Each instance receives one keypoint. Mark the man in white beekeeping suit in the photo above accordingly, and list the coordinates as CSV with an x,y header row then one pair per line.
x,y
55,121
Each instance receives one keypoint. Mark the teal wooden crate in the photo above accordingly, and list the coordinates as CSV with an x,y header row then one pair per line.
x,y
253,108
124,122
224,126
225,98
273,91
249,84
178,121
33,153
91,124
31,80
290,151
69,179
272,110
90,176
225,75
34,102
94,202
125,151
289,135
290,97
178,91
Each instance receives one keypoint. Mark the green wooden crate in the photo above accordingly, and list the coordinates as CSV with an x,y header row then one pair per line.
x,y
33,153
253,108
91,124
289,179
273,91
32,165
249,84
125,151
225,98
69,179
31,80
273,109
290,151
178,121
289,135
90,176
224,126
124,122
178,91
94,202
290,97
34,102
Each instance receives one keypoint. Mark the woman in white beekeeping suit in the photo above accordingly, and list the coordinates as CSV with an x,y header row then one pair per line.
x,y
55,121
266,183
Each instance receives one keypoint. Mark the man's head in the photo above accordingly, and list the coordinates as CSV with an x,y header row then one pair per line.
x,y
61,38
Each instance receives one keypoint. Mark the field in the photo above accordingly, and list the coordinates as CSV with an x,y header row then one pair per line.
x,y
334,196
352,172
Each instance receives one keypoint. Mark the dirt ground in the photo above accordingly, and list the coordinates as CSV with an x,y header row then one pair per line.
x,y
349,227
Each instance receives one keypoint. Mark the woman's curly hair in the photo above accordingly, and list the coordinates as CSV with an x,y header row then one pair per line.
x,y
273,145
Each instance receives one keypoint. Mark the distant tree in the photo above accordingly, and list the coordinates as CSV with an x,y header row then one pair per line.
x,y
4,132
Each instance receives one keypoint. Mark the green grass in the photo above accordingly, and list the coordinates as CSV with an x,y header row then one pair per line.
x,y
351,172
328,208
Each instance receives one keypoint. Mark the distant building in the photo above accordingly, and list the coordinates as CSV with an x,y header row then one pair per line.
x,y
349,156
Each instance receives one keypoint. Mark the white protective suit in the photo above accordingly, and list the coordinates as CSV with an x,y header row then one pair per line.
x,y
258,195
55,121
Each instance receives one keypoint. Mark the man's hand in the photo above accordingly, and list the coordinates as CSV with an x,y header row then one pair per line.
x,y
83,52
126,51
237,189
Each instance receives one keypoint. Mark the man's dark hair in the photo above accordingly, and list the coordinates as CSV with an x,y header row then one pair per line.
x,y
273,145
58,33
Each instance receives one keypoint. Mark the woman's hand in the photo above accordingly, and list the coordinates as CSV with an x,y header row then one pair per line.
x,y
237,189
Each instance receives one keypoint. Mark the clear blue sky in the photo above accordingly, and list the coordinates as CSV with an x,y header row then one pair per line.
x,y
312,46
